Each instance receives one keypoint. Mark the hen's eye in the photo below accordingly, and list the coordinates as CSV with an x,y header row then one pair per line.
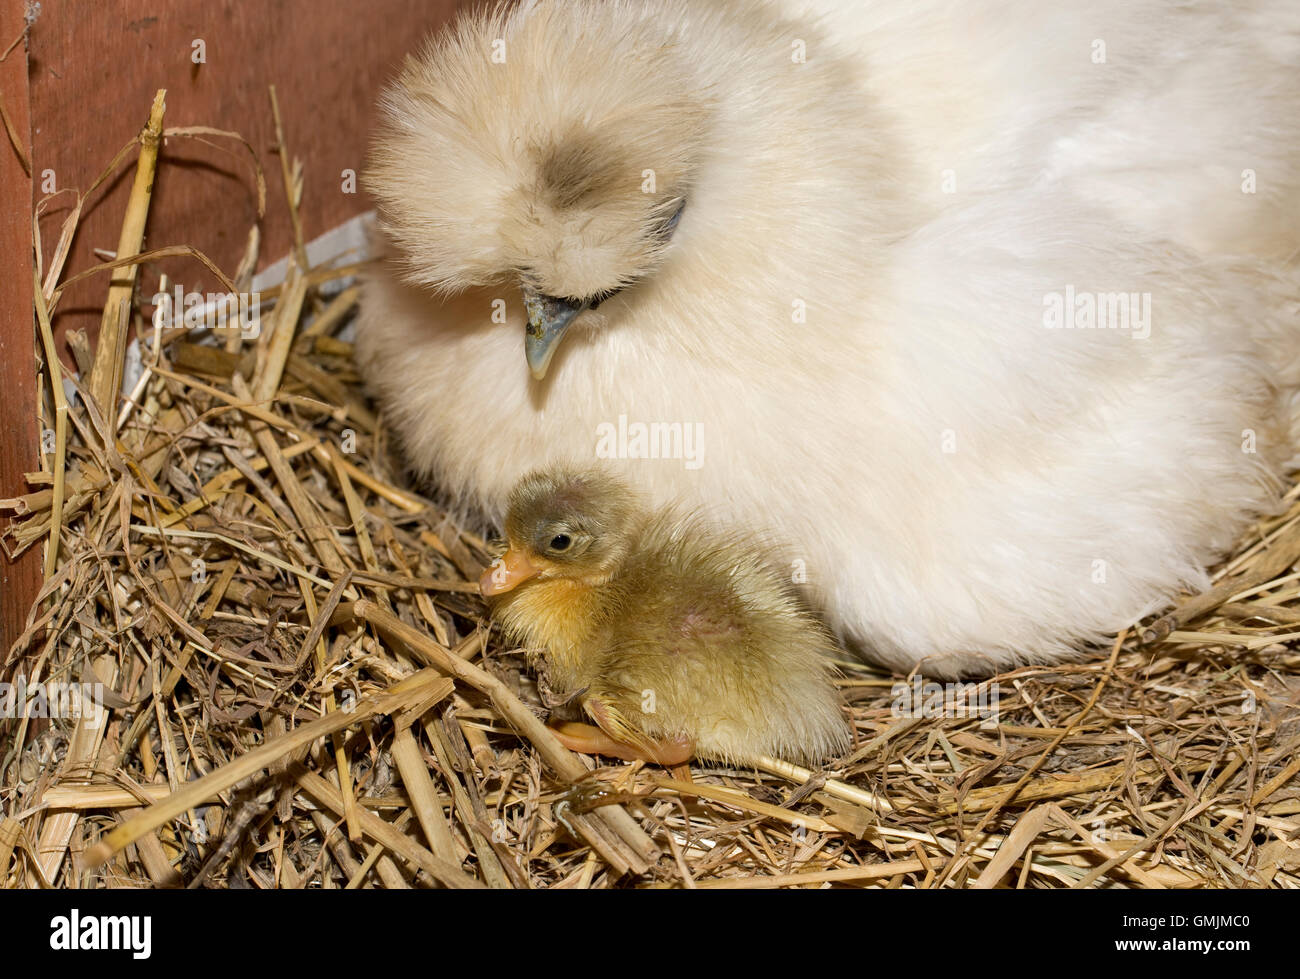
x,y
600,297
669,226
560,542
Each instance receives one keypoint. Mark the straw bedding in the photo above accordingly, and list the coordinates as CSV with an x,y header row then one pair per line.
x,y
303,688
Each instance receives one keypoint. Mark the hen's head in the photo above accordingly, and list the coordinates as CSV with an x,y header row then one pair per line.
x,y
508,153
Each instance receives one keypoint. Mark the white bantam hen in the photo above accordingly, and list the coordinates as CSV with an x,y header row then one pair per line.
x,y
987,310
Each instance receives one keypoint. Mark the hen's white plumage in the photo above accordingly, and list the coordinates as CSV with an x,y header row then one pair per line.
x,y
855,302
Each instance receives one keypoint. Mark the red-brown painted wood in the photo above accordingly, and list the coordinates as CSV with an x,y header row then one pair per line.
x,y
19,581
94,68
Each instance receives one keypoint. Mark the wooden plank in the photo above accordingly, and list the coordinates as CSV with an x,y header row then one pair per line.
x,y
96,66
20,580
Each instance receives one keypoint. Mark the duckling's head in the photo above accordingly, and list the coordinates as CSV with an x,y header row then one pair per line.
x,y
576,525
505,156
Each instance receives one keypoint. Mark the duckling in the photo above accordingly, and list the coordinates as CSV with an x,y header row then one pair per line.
x,y
678,639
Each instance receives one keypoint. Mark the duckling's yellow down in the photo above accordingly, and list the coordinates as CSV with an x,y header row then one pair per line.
x,y
668,627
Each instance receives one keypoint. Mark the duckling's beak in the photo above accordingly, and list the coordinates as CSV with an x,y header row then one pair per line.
x,y
548,319
506,572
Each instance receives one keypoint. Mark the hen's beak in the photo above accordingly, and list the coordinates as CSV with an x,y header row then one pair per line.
x,y
506,572
548,319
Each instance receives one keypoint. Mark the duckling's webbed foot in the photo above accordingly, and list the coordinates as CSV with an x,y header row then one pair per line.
x,y
591,740
617,738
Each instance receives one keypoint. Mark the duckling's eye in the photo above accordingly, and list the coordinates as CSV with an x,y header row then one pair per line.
x,y
560,542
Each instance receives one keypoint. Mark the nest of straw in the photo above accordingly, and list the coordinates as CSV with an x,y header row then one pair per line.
x,y
303,688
